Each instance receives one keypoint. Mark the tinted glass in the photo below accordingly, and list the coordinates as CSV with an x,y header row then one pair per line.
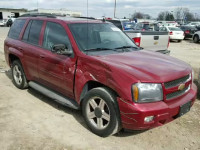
x,y
34,34
55,34
26,33
16,28
116,23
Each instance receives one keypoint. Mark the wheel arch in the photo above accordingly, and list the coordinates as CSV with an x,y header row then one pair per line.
x,y
91,85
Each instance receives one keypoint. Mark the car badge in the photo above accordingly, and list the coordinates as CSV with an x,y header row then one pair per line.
x,y
181,87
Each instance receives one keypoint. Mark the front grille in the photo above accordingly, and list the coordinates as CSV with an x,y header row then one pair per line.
x,y
177,94
175,83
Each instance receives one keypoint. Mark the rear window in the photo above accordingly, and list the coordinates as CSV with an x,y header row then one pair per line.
x,y
16,28
175,29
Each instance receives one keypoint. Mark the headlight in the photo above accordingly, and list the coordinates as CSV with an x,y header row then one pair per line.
x,y
147,92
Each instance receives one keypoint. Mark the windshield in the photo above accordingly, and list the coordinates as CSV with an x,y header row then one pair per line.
x,y
99,37
174,29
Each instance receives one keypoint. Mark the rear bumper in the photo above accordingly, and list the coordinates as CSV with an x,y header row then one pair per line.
x,y
132,115
167,52
188,35
174,37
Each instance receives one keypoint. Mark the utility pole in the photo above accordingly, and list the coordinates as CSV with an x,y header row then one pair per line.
x,y
115,9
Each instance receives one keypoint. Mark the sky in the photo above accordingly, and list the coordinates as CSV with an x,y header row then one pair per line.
x,y
99,8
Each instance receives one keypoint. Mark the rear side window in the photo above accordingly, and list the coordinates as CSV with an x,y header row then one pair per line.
x,y
16,28
32,32
116,23
55,34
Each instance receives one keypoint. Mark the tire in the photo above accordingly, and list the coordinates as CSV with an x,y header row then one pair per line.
x,y
196,39
18,76
179,41
100,111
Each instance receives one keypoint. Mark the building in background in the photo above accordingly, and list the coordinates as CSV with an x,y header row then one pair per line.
x,y
6,13
57,12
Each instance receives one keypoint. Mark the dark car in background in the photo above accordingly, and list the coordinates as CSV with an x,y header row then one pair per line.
x,y
189,31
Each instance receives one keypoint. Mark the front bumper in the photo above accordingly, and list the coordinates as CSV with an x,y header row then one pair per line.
x,y
132,114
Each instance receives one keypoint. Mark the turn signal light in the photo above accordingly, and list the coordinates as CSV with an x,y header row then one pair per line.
x,y
135,93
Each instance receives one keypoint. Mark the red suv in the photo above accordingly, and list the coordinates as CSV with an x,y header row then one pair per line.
x,y
93,66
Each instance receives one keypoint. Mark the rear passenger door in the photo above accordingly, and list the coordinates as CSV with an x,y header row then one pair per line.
x,y
31,47
56,71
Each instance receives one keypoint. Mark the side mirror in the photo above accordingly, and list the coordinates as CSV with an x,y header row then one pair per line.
x,y
61,49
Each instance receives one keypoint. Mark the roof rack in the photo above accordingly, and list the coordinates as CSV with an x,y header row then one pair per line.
x,y
85,18
39,15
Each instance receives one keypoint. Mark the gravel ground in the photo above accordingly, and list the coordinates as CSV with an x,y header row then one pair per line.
x,y
29,120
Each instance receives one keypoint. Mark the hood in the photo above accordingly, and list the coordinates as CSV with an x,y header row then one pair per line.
x,y
147,66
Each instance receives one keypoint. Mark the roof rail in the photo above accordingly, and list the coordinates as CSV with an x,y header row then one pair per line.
x,y
39,15
86,18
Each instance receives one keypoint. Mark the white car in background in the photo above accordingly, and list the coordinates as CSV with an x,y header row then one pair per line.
x,y
175,33
194,24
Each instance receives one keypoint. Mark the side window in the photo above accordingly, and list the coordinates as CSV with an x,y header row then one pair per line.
x,y
34,33
55,34
26,33
16,28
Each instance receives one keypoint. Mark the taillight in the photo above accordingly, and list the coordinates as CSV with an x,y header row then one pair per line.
x,y
143,29
137,41
168,43
187,32
171,33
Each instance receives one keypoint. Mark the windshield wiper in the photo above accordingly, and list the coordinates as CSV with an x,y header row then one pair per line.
x,y
124,47
98,49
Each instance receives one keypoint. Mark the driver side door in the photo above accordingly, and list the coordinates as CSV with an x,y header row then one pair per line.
x,y
56,71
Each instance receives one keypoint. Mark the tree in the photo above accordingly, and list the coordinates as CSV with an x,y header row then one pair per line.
x,y
161,16
169,17
165,16
183,14
140,15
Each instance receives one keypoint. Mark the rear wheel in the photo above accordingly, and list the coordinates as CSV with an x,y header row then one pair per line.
x,y
196,39
18,76
100,111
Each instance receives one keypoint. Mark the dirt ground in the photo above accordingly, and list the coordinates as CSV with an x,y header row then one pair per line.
x,y
29,120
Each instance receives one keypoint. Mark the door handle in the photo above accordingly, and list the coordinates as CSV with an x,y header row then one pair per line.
x,y
20,49
42,56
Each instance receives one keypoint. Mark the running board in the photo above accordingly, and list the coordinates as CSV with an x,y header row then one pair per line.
x,y
51,94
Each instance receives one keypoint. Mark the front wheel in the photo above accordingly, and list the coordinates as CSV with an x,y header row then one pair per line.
x,y
18,76
101,112
196,39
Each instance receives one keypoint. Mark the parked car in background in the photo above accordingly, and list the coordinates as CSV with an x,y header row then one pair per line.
x,y
175,33
196,37
93,66
128,25
147,26
3,22
121,23
152,40
194,24
169,23
189,31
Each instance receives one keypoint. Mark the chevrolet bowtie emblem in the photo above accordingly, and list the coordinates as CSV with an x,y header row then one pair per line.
x,y
181,87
